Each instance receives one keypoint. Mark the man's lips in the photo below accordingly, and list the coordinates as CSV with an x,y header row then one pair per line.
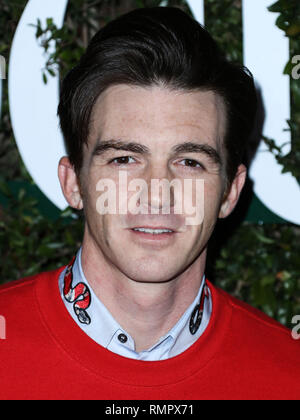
x,y
156,228
153,234
173,222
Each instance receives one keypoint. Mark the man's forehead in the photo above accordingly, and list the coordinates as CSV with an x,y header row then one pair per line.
x,y
115,95
127,111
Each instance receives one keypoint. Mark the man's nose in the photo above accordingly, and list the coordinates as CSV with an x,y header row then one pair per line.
x,y
159,197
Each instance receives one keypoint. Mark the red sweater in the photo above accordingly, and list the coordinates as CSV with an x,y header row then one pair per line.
x,y
243,354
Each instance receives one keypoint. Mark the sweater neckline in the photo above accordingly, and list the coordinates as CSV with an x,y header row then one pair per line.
x,y
100,361
93,317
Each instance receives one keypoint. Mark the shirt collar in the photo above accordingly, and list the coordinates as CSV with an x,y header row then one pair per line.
x,y
105,330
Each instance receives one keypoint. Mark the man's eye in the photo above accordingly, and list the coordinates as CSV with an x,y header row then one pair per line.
x,y
123,160
191,163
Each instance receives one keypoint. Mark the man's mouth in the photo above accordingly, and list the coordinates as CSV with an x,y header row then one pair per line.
x,y
154,236
153,231
160,235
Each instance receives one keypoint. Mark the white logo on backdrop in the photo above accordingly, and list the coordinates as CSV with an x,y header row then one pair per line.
x,y
33,104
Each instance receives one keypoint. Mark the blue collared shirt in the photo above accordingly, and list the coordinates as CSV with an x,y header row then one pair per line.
x,y
107,332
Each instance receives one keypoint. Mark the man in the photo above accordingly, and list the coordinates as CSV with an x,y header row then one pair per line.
x,y
133,315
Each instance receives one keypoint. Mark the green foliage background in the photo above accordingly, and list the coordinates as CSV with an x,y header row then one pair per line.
x,y
259,263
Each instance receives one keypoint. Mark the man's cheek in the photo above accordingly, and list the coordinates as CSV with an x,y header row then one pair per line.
x,y
194,201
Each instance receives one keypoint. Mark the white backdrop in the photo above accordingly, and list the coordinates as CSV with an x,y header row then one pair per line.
x,y
33,104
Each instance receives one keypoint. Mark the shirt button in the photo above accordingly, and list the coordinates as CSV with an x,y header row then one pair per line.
x,y
122,338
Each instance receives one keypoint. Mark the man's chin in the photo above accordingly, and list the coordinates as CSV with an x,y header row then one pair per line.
x,y
151,271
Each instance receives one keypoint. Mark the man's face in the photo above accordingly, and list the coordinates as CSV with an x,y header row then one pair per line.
x,y
157,123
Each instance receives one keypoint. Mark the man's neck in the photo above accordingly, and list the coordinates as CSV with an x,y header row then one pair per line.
x,y
147,311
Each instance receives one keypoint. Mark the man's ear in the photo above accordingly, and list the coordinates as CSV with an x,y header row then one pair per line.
x,y
233,192
69,183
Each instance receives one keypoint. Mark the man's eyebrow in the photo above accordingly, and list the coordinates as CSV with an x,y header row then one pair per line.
x,y
104,145
192,147
186,147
